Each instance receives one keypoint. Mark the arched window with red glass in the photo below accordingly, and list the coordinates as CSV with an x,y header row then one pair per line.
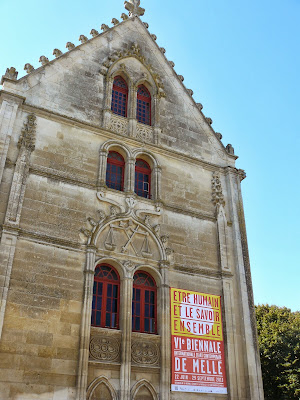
x,y
142,179
119,98
144,314
143,106
106,297
115,171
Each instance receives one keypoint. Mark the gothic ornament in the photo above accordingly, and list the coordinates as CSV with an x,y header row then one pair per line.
x,y
11,73
70,46
217,193
145,353
57,53
230,149
27,137
28,68
104,27
94,32
115,22
104,348
44,60
133,6
83,39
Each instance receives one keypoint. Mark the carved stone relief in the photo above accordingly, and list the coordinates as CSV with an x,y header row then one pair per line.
x,y
217,193
144,133
104,348
145,353
118,125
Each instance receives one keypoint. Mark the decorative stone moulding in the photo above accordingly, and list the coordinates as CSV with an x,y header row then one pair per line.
x,y
209,120
219,135
124,16
181,77
190,91
200,106
115,21
70,46
133,6
27,137
172,64
11,73
83,39
105,348
230,149
44,60
145,353
118,125
28,68
154,37
94,32
146,25
217,193
104,27
57,53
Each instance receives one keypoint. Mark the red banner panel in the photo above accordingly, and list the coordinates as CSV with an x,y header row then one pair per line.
x,y
198,362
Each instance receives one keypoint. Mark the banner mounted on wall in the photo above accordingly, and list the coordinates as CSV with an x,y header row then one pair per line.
x,y
198,362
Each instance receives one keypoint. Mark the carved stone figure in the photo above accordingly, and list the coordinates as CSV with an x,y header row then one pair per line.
x,y
83,39
28,68
44,60
70,46
57,53
94,32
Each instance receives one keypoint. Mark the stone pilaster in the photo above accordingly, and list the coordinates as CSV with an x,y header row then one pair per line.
x,y
8,112
102,168
243,279
86,323
165,331
126,309
157,182
130,175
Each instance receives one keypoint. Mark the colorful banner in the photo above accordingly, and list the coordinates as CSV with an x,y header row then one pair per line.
x,y
198,362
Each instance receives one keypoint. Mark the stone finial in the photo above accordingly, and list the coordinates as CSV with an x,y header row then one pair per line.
x,y
11,73
44,60
181,78
133,6
154,37
124,16
146,25
217,193
27,137
172,64
162,49
83,39
190,92
94,32
104,27
199,106
219,135
230,149
70,46
115,21
28,68
57,53
209,120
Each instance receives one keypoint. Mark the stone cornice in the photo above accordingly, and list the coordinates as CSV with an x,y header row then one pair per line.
x,y
205,272
12,96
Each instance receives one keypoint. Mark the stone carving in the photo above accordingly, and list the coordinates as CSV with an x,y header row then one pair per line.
x,y
209,120
145,353
118,125
181,77
146,25
115,21
190,92
217,193
104,348
27,137
70,46
242,174
83,39
163,50
230,149
154,37
57,53
104,27
219,135
94,32
28,68
144,133
172,64
11,73
199,106
124,16
44,60
133,6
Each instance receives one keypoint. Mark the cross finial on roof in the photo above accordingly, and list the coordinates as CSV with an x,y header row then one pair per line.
x,y
133,6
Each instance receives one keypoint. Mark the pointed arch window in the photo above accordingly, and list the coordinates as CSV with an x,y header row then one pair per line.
x,y
143,107
144,313
119,97
106,297
115,171
142,179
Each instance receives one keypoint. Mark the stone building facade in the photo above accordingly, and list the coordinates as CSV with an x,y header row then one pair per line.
x,y
72,208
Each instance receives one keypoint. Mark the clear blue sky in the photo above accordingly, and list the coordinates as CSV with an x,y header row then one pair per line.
x,y
242,60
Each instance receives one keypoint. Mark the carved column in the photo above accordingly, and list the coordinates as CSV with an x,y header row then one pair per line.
x,y
130,175
242,270
14,208
157,182
102,168
8,112
165,383
86,323
125,371
132,122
